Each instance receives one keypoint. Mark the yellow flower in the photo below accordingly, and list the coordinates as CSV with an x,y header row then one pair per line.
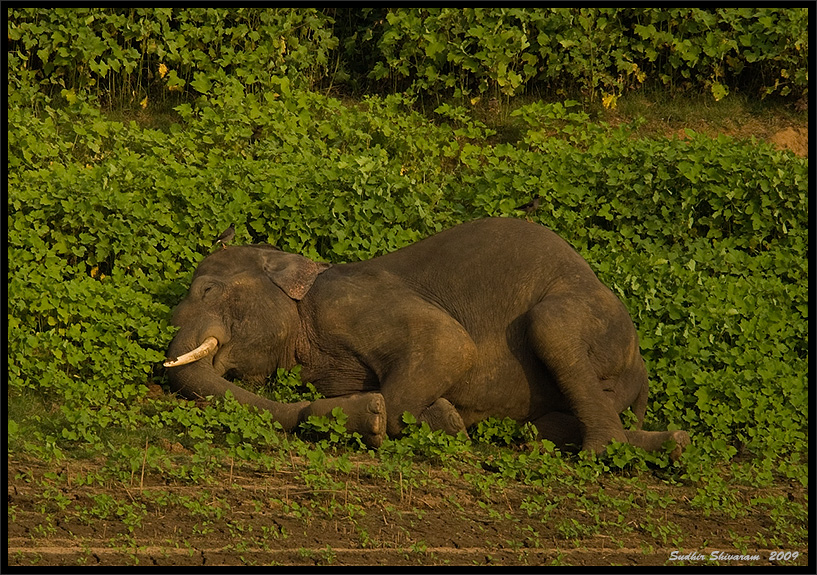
x,y
609,101
162,70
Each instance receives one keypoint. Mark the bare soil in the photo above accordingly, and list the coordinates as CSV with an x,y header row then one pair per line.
x,y
782,128
792,138
248,517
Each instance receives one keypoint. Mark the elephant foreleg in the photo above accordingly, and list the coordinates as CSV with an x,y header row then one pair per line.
x,y
443,415
366,411
440,359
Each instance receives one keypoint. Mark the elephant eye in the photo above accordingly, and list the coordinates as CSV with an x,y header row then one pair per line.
x,y
210,289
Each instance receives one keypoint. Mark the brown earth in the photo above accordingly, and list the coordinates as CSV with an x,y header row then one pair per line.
x,y
784,130
791,138
250,517
794,139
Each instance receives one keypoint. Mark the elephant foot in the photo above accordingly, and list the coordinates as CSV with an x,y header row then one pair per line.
x,y
443,415
682,440
373,421
366,414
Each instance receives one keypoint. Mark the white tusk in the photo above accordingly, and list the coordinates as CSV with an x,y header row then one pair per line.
x,y
204,349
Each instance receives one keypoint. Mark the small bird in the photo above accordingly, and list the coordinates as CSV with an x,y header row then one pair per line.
x,y
531,206
226,236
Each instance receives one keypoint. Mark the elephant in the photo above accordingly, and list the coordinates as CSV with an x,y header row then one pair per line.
x,y
493,317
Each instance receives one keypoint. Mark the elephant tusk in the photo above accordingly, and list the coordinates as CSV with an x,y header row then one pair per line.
x,y
205,348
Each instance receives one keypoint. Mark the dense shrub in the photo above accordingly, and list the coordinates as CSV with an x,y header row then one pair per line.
x,y
139,55
704,239
471,51
127,54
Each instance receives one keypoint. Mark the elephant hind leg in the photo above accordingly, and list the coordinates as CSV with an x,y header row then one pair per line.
x,y
565,431
580,342
639,406
654,440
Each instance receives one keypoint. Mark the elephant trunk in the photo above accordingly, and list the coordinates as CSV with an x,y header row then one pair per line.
x,y
193,376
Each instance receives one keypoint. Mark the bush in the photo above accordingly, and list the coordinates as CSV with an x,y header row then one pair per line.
x,y
704,239
129,55
143,56
474,51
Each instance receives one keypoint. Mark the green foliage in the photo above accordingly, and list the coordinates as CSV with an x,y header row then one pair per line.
x,y
287,387
130,57
331,430
127,55
704,239
539,465
505,431
418,440
625,456
502,51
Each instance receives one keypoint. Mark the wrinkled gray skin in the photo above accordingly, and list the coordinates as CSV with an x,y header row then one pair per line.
x,y
495,317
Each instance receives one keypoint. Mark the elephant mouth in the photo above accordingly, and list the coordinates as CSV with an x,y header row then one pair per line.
x,y
201,351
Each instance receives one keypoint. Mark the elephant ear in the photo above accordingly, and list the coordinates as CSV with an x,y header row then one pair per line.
x,y
292,273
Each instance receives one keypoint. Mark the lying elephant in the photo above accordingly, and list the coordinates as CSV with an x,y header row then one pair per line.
x,y
495,317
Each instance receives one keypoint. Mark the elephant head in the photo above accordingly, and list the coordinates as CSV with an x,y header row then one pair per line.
x,y
242,300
